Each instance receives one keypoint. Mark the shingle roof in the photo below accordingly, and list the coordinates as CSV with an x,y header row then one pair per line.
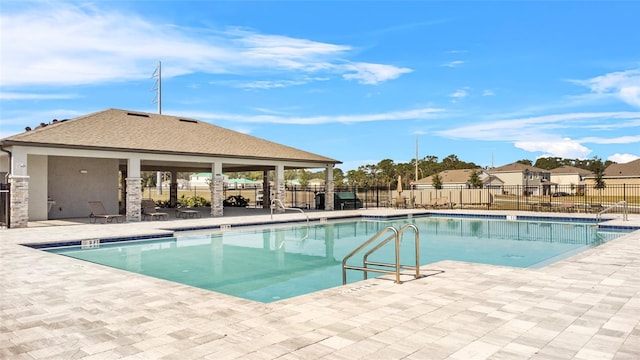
x,y
515,167
566,169
116,129
631,168
450,177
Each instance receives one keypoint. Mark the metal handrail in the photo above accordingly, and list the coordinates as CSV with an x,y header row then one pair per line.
x,y
625,214
397,235
278,201
398,265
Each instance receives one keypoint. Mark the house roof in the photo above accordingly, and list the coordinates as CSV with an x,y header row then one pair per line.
x,y
569,170
516,167
630,169
118,130
460,176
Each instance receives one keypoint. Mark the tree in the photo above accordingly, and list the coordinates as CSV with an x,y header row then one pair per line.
x,y
474,179
437,181
304,177
524,162
549,163
338,176
598,170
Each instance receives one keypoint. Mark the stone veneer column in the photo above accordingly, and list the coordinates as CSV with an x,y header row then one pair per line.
x,y
328,189
19,201
134,198
278,184
216,187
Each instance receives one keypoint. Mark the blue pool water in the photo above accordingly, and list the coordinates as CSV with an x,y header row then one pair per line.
x,y
277,262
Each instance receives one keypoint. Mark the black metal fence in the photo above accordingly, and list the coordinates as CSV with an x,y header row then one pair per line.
x,y
559,199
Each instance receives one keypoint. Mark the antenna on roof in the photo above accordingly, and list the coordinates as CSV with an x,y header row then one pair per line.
x,y
157,86
158,99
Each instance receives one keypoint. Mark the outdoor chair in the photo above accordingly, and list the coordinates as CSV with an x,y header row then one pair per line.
x,y
431,204
444,202
99,212
400,203
149,210
566,207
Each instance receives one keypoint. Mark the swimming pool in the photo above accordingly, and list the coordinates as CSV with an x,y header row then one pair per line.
x,y
269,263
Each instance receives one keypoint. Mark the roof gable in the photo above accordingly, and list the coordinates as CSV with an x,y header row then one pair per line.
x,y
116,129
631,168
517,167
569,170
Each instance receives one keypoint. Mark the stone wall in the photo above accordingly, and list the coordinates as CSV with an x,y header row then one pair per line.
x,y
19,201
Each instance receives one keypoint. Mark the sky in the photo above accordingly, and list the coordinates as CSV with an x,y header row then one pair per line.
x,y
491,82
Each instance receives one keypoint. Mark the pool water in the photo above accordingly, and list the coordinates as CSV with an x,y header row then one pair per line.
x,y
271,263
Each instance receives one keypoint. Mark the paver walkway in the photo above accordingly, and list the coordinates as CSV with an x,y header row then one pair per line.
x,y
52,307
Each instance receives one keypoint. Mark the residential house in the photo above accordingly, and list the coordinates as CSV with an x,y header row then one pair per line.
x,y
526,179
451,179
568,179
618,174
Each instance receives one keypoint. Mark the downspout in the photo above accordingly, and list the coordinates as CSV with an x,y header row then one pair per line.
x,y
6,179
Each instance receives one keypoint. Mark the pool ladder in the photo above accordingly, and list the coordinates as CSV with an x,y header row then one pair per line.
x,y
396,235
622,204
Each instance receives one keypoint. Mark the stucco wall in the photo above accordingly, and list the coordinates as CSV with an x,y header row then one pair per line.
x,y
566,179
37,171
72,190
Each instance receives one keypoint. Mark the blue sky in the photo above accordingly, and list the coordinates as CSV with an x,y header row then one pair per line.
x,y
358,81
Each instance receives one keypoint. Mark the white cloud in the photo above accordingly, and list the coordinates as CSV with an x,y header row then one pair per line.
x,y
452,64
533,128
488,93
423,113
31,96
625,85
630,139
63,44
371,74
460,93
623,158
565,148
270,84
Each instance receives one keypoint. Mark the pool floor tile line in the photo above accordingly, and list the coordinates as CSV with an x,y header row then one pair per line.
x,y
583,307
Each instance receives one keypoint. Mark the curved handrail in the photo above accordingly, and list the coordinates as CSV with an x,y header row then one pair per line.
x,y
625,215
397,235
365,244
278,201
385,241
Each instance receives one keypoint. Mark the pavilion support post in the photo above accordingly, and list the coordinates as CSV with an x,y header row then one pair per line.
x,y
19,201
329,189
280,192
134,199
217,191
134,190
266,190
173,189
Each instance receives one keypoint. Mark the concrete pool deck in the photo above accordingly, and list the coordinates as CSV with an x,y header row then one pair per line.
x,y
52,307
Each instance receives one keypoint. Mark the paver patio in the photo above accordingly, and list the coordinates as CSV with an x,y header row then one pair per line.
x,y
53,307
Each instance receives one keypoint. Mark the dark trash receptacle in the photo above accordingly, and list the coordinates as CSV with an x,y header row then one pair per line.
x,y
346,200
320,201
